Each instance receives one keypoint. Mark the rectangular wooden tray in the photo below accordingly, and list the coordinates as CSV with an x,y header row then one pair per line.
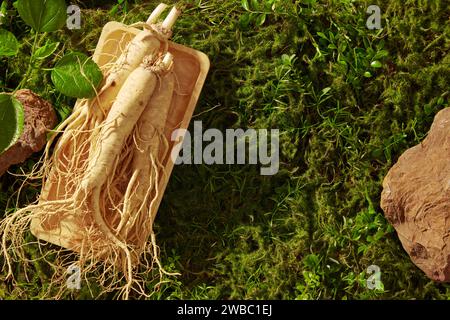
x,y
190,67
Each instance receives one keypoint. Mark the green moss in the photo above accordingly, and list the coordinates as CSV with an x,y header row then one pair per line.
x,y
312,230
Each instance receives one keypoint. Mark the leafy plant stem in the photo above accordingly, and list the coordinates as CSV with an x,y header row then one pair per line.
x,y
30,63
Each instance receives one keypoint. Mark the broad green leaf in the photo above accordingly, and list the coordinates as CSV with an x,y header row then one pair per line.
x,y
287,60
43,15
245,5
3,11
77,76
46,51
9,46
11,121
367,74
376,64
4,7
261,19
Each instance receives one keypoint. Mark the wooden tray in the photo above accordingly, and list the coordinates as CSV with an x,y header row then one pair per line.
x,y
190,67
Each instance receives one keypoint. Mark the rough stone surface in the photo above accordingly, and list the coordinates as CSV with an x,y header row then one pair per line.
x,y
39,118
416,200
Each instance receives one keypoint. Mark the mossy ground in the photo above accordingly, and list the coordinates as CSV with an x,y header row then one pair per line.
x,y
311,231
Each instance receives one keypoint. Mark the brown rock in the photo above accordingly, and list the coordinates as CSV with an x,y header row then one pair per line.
x,y
39,118
416,200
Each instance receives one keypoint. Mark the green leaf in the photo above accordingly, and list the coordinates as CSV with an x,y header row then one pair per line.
x,y
114,9
46,51
9,46
331,34
245,5
77,76
43,15
367,74
376,64
260,19
11,121
244,20
342,47
322,35
332,46
381,54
